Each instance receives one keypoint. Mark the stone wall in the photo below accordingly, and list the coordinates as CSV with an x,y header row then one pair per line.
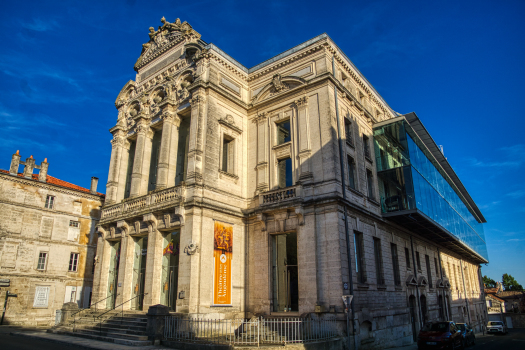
x,y
28,229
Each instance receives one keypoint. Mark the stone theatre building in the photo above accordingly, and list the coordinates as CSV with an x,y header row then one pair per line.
x,y
277,189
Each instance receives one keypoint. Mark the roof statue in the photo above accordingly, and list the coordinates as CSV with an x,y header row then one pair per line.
x,y
161,39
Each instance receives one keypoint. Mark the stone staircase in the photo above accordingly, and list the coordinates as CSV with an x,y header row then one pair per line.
x,y
130,329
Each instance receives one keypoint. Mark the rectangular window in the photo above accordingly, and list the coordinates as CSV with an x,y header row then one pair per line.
x,y
418,261
407,257
227,154
154,160
42,261
284,173
73,262
348,131
370,182
283,132
129,170
436,266
429,270
74,223
351,172
360,257
395,264
366,146
379,261
50,201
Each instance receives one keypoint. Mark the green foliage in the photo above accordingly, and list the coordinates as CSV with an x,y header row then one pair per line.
x,y
489,282
509,283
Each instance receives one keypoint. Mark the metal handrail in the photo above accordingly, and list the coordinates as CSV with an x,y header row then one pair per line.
x,y
90,305
121,313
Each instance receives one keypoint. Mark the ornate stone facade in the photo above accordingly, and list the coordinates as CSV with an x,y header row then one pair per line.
x,y
202,139
47,242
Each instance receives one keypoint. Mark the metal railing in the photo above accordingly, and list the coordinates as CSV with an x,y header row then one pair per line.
x,y
255,331
89,308
121,312
280,195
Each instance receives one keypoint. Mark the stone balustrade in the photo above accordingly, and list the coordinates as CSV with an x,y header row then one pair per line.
x,y
280,195
149,202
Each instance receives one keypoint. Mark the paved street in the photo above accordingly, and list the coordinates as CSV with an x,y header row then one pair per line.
x,y
515,340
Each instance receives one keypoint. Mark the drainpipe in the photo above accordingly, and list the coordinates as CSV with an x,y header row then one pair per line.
x,y
465,292
347,234
417,286
445,306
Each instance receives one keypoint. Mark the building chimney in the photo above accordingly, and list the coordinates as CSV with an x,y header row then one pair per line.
x,y
94,183
42,176
29,166
15,162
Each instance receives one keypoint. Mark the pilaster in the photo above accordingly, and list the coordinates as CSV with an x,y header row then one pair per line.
x,y
141,162
168,149
118,155
196,142
125,273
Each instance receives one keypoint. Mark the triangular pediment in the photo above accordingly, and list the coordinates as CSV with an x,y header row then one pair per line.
x,y
422,281
440,283
411,280
165,37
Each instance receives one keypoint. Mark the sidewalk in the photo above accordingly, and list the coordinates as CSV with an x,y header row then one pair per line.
x,y
81,343
414,346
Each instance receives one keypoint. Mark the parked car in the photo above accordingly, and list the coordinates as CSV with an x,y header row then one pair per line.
x,y
440,335
468,334
497,327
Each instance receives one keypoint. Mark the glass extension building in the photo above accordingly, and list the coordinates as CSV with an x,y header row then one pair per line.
x,y
419,190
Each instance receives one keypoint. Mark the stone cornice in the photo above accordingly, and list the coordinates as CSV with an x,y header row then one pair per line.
x,y
229,67
284,62
51,187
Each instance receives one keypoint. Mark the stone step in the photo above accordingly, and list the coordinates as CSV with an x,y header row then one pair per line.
x,y
110,339
113,334
126,322
141,331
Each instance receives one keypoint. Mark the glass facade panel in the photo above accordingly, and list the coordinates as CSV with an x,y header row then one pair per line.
x,y
408,179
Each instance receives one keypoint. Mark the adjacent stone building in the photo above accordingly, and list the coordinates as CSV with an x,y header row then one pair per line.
x,y
47,242
276,190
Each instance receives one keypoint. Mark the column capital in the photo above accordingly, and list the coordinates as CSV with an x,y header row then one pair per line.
x,y
171,118
301,102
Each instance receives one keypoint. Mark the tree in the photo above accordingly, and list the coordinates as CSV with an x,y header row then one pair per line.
x,y
509,283
489,282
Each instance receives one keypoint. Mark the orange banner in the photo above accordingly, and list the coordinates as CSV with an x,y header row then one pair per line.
x,y
222,256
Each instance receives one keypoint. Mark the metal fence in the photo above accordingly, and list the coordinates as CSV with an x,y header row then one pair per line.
x,y
253,331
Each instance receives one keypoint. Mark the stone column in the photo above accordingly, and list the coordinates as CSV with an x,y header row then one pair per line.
x,y
168,150
303,135
153,263
196,142
118,153
262,154
141,163
125,273
101,272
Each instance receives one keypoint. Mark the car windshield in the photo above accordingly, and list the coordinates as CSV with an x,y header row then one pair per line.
x,y
436,327
461,326
496,323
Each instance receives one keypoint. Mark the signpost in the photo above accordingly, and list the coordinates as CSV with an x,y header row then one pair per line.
x,y
7,295
347,300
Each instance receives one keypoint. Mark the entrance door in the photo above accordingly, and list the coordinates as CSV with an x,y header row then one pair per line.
x,y
285,277
139,272
170,270
113,274
413,315
423,302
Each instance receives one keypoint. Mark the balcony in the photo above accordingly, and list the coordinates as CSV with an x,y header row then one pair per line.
x,y
154,201
420,191
281,195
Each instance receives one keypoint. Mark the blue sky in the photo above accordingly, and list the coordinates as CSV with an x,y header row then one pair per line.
x,y
458,64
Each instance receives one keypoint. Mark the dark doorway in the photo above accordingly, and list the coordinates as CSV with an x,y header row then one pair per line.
x,y
413,315
139,272
441,310
423,301
170,269
113,274
285,277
